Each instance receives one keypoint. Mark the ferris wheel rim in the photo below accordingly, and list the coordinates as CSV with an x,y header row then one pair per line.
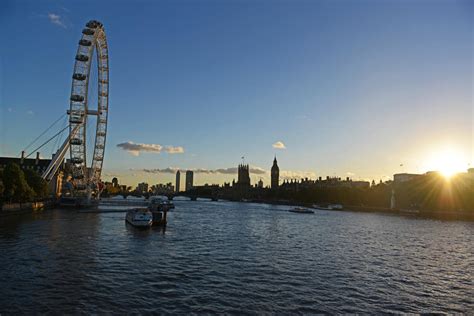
x,y
93,39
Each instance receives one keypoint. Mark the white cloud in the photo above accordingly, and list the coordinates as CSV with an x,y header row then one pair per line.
x,y
350,174
111,175
257,170
232,170
279,145
294,174
164,170
174,150
135,149
56,19
30,112
10,110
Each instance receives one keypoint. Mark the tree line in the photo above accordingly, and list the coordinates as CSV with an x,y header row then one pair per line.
x,y
430,192
18,186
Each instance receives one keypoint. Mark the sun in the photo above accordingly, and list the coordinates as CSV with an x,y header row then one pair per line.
x,y
448,162
448,171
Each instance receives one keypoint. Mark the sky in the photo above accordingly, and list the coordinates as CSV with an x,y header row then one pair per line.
x,y
363,89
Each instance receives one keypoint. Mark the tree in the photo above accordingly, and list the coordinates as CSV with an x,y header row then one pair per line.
x,y
38,184
1,185
16,189
1,190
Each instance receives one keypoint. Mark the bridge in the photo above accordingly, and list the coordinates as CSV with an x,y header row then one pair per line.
x,y
191,195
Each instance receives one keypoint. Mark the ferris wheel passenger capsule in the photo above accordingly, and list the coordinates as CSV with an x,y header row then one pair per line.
x,y
81,57
78,76
88,31
77,160
93,24
77,98
76,141
85,42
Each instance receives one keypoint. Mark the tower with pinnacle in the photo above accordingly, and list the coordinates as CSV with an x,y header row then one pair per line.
x,y
275,174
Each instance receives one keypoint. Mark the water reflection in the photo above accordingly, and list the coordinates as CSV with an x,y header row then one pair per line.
x,y
144,232
234,258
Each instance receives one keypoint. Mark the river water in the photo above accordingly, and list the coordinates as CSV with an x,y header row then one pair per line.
x,y
236,258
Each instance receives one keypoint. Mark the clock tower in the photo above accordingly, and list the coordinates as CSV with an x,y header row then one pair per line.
x,y
275,174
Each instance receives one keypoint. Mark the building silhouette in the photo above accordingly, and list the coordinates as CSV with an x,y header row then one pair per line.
x,y
404,177
162,189
38,165
243,178
275,174
142,188
178,180
189,180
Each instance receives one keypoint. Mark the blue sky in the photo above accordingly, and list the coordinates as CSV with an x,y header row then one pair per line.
x,y
352,88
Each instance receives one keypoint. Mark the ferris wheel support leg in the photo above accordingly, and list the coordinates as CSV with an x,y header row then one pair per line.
x,y
53,166
89,195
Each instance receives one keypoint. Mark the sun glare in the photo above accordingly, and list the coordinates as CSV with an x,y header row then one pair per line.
x,y
448,162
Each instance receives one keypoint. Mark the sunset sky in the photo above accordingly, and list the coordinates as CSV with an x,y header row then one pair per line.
x,y
363,89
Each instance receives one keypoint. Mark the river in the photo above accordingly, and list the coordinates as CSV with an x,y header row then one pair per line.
x,y
237,258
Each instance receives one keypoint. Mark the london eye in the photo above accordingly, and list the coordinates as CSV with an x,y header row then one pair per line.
x,y
93,38
85,177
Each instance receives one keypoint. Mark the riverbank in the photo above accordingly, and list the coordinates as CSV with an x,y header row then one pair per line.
x,y
8,209
458,216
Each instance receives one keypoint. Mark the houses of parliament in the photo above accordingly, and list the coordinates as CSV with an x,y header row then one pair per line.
x,y
243,176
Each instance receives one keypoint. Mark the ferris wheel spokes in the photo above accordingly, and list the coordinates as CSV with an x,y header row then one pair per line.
x,y
86,177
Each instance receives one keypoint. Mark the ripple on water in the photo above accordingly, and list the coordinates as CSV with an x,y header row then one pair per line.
x,y
235,258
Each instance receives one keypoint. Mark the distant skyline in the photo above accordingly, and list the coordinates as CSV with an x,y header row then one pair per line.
x,y
363,89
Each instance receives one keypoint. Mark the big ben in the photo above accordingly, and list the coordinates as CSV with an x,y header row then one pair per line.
x,y
275,174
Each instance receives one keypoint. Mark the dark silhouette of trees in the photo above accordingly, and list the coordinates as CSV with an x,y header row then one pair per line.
x,y
429,192
2,189
38,184
433,192
378,195
16,188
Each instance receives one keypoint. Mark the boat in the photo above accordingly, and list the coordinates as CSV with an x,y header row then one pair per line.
x,y
159,217
410,211
161,205
329,207
159,209
301,210
167,205
158,214
139,217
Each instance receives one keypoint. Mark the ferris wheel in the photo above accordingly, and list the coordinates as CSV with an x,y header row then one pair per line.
x,y
86,176
93,39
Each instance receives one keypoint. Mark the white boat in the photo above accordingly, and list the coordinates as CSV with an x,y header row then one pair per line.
x,y
160,205
329,207
301,210
139,217
410,211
